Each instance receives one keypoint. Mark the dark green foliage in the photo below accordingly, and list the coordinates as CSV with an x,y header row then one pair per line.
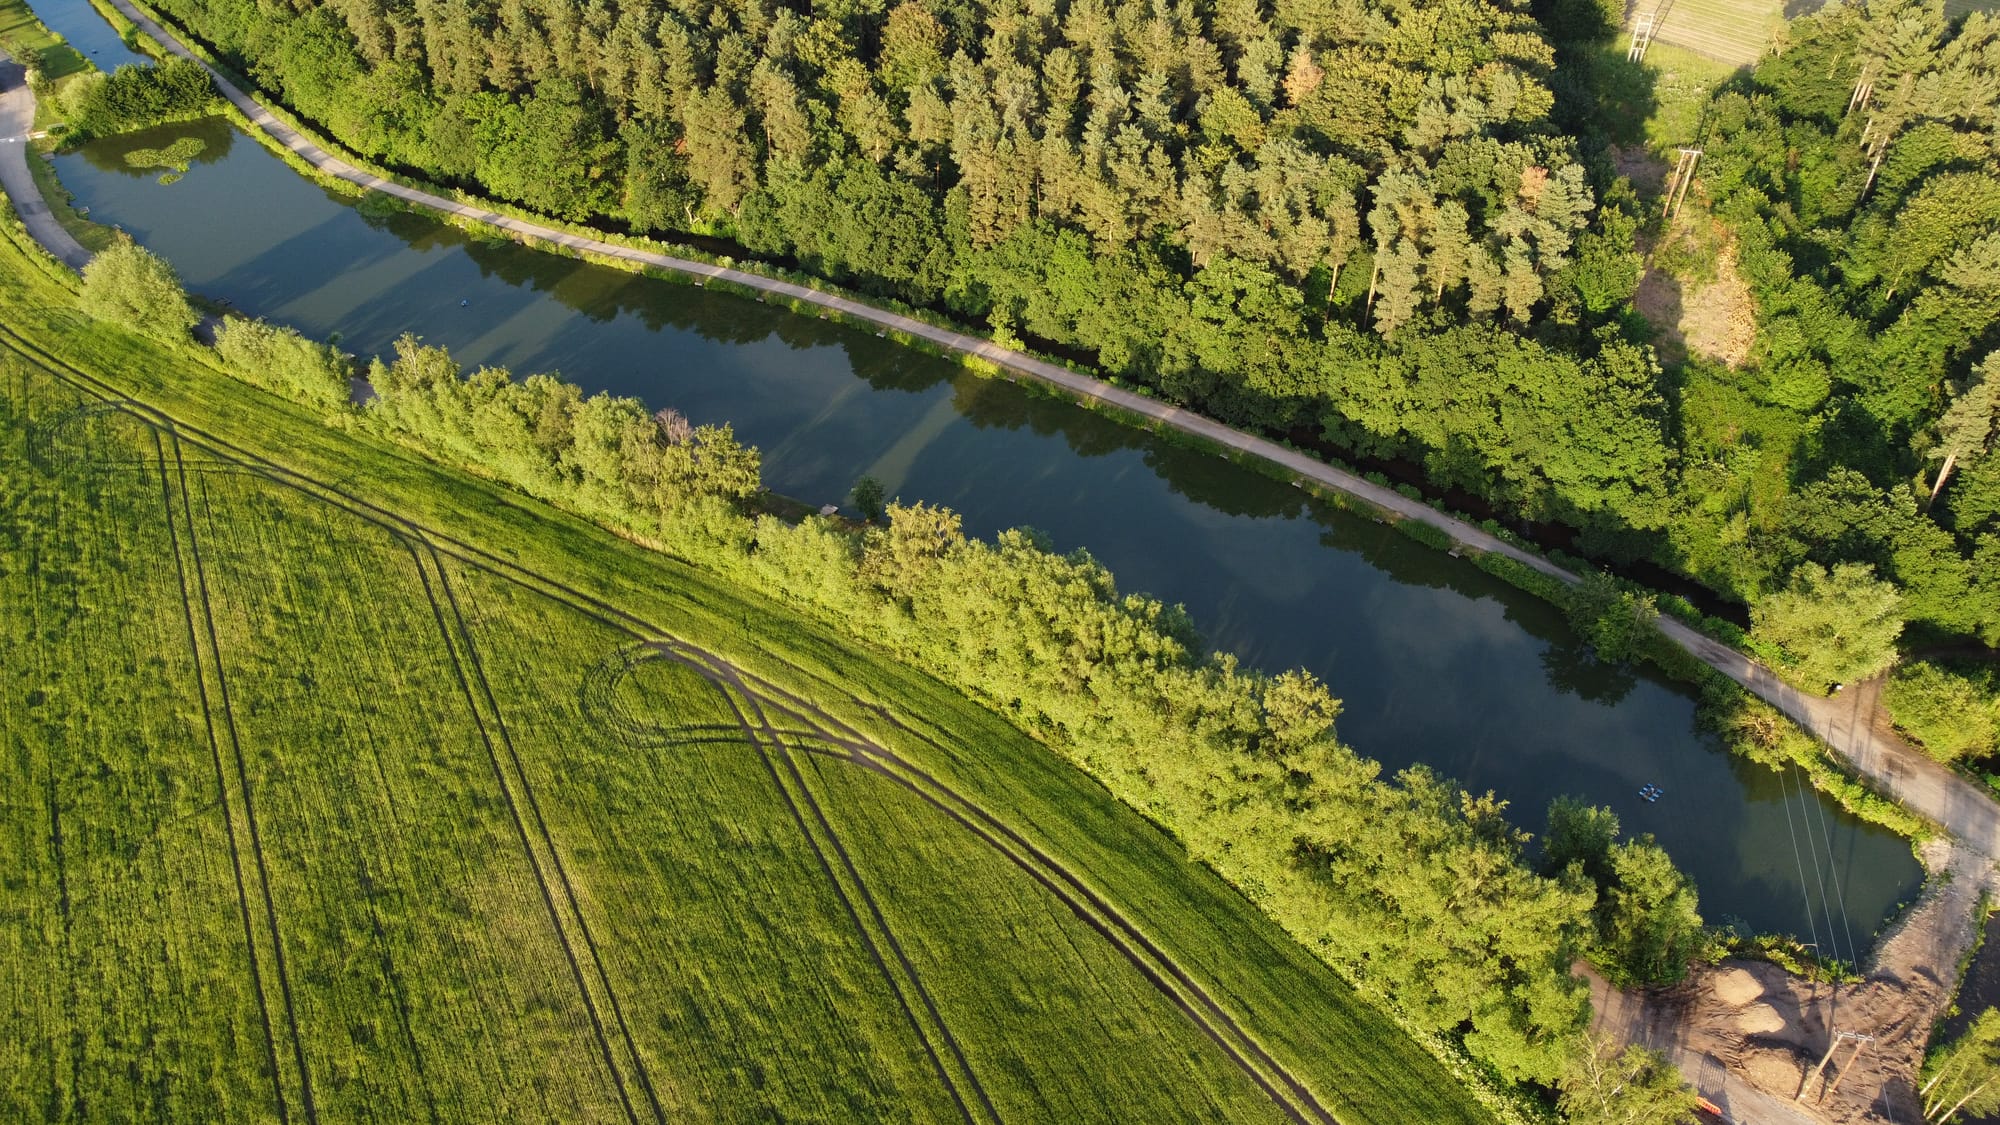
x,y
1857,173
1636,1086
1648,922
133,97
1582,835
1614,619
868,497
1424,533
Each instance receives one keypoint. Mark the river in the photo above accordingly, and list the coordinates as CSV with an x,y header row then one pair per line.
x,y
82,28
1437,662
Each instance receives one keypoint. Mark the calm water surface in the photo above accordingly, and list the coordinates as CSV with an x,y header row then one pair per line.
x,y
81,27
1437,662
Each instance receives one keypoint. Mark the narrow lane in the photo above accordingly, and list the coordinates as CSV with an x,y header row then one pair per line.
x,y
17,122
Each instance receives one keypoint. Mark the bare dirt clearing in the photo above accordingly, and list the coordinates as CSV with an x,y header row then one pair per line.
x,y
1751,1037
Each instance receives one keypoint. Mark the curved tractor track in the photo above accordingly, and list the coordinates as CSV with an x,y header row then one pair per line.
x,y
806,726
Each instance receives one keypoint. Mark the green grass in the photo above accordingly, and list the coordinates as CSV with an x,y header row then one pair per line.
x,y
490,858
1657,102
1681,82
32,45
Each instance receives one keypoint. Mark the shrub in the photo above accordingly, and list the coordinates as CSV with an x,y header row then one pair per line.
x,y
1952,714
129,287
279,359
1611,617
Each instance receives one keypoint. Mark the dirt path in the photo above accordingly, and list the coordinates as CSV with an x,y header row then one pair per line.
x,y
17,121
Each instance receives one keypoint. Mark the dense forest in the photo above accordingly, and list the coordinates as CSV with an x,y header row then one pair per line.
x,y
1394,227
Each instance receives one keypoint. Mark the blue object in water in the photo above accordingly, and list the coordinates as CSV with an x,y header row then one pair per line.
x,y
462,302
1650,793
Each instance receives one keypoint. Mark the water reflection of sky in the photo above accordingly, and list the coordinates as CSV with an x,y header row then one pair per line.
x,y
1437,662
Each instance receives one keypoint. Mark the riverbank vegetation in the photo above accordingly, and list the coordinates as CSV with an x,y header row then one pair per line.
x,y
1951,710
490,852
134,97
1371,231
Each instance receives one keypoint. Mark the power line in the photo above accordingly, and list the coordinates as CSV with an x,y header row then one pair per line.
x,y
1853,951
1812,849
1805,890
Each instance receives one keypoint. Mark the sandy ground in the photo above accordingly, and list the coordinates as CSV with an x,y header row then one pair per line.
x,y
1716,320
1752,1037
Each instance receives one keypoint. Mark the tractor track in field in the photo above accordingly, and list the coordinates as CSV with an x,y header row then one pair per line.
x,y
555,855
68,948
413,539
455,634
222,787
771,750
598,702
394,978
1167,976
243,779
1174,980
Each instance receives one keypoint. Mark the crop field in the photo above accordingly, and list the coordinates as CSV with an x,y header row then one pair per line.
x,y
324,806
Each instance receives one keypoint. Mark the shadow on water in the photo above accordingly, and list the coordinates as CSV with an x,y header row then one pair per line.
x,y
1438,662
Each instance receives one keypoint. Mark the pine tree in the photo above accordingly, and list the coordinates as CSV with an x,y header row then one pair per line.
x,y
1966,431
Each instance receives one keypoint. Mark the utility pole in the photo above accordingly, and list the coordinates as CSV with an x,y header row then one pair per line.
x,y
1677,186
1642,35
1860,1041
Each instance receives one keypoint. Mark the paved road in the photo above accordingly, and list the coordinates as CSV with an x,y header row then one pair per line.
x,y
1923,785
17,120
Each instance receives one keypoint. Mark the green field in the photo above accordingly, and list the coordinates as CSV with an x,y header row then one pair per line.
x,y
340,787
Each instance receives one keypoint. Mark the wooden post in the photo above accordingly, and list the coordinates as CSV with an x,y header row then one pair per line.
x,y
1860,1042
1677,188
1832,1045
1642,36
